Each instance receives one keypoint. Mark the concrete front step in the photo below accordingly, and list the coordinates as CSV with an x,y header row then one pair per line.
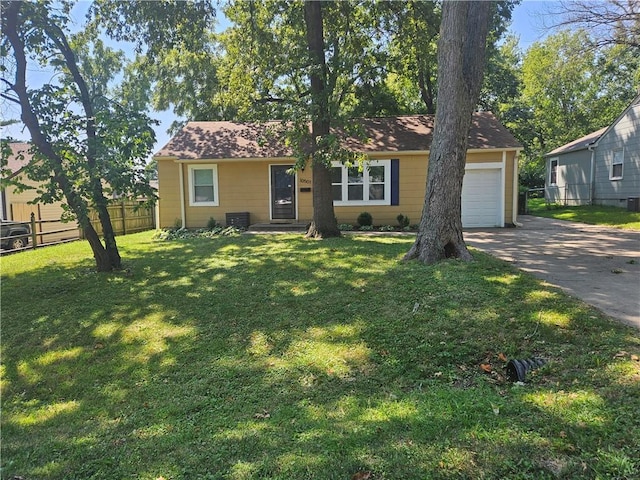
x,y
278,227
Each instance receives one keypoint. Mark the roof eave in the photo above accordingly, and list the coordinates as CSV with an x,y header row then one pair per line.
x,y
634,102
389,153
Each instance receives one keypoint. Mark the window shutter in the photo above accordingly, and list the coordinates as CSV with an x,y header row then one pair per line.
x,y
395,181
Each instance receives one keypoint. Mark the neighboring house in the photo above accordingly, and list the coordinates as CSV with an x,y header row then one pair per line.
x,y
602,168
221,169
16,206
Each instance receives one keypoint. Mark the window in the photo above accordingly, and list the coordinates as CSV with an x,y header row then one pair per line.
x,y
616,165
371,186
553,172
203,185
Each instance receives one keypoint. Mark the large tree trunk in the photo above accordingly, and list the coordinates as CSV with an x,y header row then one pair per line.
x,y
461,60
107,231
97,192
324,222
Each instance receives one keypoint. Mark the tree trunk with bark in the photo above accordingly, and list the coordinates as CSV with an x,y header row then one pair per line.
x,y
10,22
97,192
324,222
461,62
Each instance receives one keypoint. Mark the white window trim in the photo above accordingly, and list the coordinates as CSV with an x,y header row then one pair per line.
x,y
216,198
365,186
621,163
551,160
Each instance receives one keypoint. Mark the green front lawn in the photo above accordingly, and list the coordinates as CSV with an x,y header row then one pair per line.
x,y
275,357
593,214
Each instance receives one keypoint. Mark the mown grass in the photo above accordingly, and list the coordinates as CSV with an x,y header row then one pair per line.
x,y
275,357
592,214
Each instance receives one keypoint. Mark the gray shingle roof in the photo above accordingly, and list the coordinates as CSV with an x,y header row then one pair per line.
x,y
579,144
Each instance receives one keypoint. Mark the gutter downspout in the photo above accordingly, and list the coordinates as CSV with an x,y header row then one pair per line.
x,y
514,211
182,208
592,174
503,183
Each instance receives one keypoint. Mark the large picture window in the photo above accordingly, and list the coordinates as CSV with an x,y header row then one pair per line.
x,y
616,165
371,186
203,185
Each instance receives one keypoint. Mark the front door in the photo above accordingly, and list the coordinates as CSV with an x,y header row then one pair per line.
x,y
283,193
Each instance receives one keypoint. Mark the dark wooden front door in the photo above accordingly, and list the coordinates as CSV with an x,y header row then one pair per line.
x,y
283,193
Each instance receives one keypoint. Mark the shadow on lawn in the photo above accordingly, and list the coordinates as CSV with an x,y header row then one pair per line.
x,y
277,357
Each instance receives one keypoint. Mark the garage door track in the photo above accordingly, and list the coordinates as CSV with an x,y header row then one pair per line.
x,y
599,265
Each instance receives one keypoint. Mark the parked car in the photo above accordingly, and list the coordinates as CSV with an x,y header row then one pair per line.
x,y
14,235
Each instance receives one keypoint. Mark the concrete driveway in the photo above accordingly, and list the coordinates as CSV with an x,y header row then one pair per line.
x,y
599,265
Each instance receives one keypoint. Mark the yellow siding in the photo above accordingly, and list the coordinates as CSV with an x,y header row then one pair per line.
x,y
305,199
412,182
484,157
169,193
244,187
19,210
508,191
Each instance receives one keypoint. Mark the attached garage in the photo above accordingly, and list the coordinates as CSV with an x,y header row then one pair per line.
x,y
482,198
244,162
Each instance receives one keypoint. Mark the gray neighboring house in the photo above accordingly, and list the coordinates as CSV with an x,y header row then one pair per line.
x,y
602,168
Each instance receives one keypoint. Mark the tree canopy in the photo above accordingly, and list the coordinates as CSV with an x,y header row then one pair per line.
x,y
565,89
86,145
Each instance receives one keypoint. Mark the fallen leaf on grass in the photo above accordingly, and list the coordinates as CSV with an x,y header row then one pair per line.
x,y
263,415
486,367
635,358
502,357
621,354
361,476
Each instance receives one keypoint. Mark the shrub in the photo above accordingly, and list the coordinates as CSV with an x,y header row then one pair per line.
x,y
365,219
211,224
387,228
366,228
184,233
345,227
403,221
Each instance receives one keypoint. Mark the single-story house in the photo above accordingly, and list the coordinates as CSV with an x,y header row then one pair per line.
x,y
220,169
18,207
601,168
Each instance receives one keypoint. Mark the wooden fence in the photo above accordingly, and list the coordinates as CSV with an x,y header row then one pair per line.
x,y
126,217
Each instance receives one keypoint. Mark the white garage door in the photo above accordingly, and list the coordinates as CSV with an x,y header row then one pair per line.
x,y
481,198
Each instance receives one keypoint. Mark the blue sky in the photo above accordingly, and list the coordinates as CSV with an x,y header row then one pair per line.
x,y
528,24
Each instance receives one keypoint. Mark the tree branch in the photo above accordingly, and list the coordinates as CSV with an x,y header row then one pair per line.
x,y
11,99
